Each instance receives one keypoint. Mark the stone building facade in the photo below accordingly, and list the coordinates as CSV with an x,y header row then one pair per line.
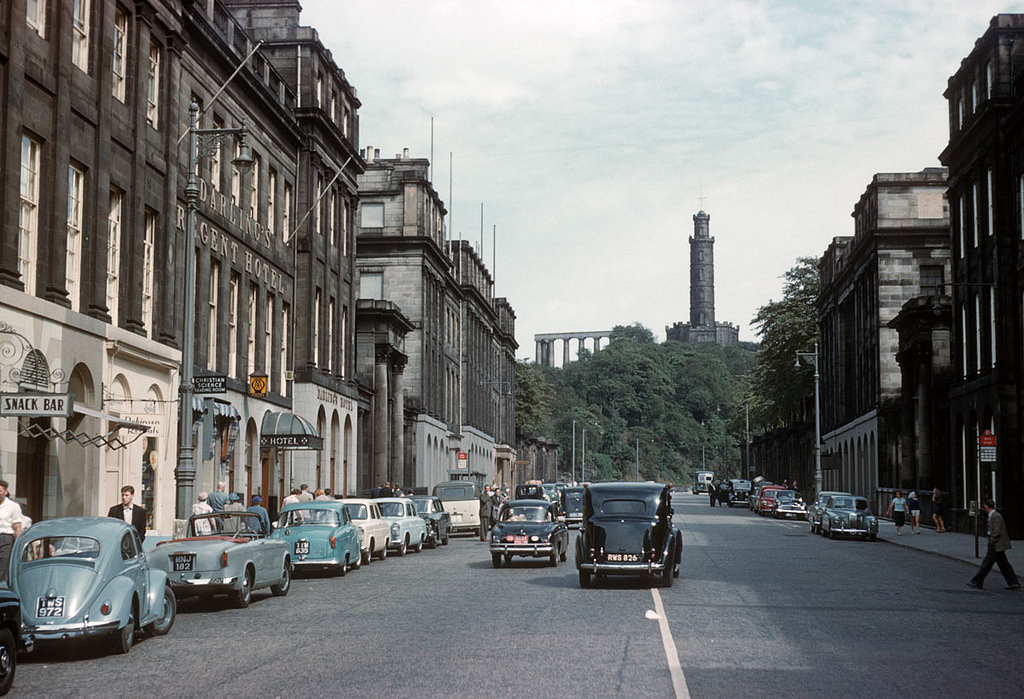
x,y
985,157
899,250
91,270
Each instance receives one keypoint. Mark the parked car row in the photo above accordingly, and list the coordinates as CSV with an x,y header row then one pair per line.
x,y
833,513
88,577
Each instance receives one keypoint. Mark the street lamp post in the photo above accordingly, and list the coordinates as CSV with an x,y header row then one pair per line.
x,y
201,143
812,357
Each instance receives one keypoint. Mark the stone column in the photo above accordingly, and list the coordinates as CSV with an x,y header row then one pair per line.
x,y
397,463
380,416
538,355
565,351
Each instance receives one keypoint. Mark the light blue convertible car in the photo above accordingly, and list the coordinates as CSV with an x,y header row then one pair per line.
x,y
88,578
320,535
408,530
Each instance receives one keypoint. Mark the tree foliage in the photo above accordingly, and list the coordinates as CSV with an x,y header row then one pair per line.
x,y
778,390
679,406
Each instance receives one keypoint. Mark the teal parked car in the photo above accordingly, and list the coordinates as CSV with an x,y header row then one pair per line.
x,y
320,535
88,578
408,530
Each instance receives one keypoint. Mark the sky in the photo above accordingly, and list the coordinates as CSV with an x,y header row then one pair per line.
x,y
589,132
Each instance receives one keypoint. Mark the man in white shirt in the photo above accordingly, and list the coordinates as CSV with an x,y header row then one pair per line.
x,y
10,527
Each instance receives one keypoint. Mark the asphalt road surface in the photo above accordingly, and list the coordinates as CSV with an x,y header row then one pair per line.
x,y
761,608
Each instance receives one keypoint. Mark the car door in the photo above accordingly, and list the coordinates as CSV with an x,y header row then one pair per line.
x,y
134,566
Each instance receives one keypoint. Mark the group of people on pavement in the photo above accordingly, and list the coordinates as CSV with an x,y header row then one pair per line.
x,y
221,501
903,507
387,489
491,500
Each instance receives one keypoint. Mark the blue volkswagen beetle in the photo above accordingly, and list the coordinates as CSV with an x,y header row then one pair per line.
x,y
87,577
320,535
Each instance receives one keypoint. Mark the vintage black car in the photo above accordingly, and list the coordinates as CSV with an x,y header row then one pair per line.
x,y
627,530
572,506
439,522
10,637
739,493
529,528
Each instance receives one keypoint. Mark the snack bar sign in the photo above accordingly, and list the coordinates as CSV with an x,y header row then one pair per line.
x,y
35,404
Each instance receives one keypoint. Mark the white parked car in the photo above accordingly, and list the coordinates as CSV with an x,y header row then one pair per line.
x,y
462,501
375,531
408,529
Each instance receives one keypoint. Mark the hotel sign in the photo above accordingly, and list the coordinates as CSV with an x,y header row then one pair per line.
x,y
35,404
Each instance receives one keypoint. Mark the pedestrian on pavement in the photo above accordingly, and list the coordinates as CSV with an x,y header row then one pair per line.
x,y
234,503
292,498
998,545
914,507
712,492
938,509
376,490
10,527
304,494
202,506
898,510
132,514
486,507
324,494
259,509
219,497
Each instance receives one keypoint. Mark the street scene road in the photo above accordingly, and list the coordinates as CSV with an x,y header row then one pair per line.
x,y
761,607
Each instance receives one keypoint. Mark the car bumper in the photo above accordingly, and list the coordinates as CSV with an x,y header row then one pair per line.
x,y
853,531
309,563
605,568
203,586
59,632
781,514
574,522
541,548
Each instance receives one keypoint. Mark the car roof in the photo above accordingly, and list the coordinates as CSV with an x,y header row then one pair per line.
x,y
392,500
357,501
313,505
79,526
529,502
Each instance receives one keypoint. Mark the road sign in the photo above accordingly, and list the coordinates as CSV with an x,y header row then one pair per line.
x,y
35,404
210,383
463,460
258,385
986,447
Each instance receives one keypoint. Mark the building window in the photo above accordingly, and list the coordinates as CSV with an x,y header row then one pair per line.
x,y
332,230
114,254
253,309
213,319
236,176
316,328
254,187
320,90
215,159
28,220
990,197
271,199
344,226
961,238
79,33
73,258
992,325
330,335
233,292
372,216
977,332
975,218
963,340
120,62
285,335
989,79
153,87
318,204
933,282
35,16
344,345
286,213
149,243
371,285
268,338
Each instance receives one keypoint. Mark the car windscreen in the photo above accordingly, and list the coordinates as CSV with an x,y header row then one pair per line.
x,y
861,503
356,511
456,492
61,547
423,506
785,495
309,517
523,513
392,509
574,502
623,507
842,503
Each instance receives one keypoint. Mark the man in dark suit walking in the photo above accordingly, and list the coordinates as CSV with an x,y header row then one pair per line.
x,y
998,543
132,514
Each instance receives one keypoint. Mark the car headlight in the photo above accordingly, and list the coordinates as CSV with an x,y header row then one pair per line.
x,y
395,529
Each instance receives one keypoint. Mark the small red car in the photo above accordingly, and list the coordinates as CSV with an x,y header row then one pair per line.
x,y
767,498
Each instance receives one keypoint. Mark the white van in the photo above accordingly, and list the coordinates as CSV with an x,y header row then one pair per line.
x,y
462,501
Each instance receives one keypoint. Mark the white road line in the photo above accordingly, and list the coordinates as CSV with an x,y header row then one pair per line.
x,y
671,654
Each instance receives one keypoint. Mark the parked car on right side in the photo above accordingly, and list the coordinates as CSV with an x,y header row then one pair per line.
x,y
816,508
408,530
439,522
766,498
462,500
740,492
365,514
10,638
849,515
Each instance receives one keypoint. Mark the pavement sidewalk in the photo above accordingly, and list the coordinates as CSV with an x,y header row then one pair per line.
x,y
959,547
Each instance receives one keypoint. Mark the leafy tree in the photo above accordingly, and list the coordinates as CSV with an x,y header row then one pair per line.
x,y
534,398
777,391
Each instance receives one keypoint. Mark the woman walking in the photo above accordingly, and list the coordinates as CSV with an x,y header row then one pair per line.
x,y
898,510
914,507
937,511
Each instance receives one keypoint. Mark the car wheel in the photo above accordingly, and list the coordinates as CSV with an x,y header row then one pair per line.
x,y
666,573
403,547
419,546
125,638
244,596
495,560
445,539
584,578
508,557
8,660
831,533
872,537
281,588
343,568
166,620
383,553
367,555
553,559
563,556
